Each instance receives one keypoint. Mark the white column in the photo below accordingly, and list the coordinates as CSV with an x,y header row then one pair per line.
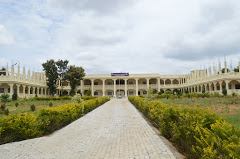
x,y
210,87
197,89
103,80
147,83
92,84
37,91
11,89
24,89
164,80
136,87
220,83
45,92
205,87
114,86
18,88
201,88
82,83
125,87
29,88
33,91
158,84
41,92
227,82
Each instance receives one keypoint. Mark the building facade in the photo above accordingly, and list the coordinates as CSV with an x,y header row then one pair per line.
x,y
208,80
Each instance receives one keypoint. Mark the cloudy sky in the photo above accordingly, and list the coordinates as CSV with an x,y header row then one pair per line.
x,y
135,36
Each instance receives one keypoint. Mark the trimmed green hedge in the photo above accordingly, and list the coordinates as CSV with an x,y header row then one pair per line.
x,y
52,98
198,132
19,127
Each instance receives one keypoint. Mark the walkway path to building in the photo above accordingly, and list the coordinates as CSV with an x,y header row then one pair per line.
x,y
114,130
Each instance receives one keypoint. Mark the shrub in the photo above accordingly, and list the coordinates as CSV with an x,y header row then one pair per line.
x,y
1,112
234,94
77,98
6,112
50,104
15,96
52,98
224,92
32,107
169,92
89,92
149,96
17,127
4,99
16,104
199,132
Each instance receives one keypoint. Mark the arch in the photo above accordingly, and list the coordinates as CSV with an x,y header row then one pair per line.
x,y
98,82
98,93
87,82
120,92
131,92
153,81
131,81
233,84
175,81
142,81
161,82
64,83
155,91
109,82
121,81
64,93
168,82
161,91
142,91
175,91
109,93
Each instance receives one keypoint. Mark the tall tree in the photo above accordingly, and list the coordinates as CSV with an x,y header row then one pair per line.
x,y
51,72
62,70
74,75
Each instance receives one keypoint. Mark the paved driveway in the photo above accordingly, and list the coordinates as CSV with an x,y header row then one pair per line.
x,y
114,130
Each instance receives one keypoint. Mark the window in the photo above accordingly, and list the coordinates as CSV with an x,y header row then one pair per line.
x,y
96,93
144,82
130,83
109,83
130,92
144,92
237,86
1,90
95,83
109,93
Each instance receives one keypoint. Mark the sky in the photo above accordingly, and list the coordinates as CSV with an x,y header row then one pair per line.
x,y
136,36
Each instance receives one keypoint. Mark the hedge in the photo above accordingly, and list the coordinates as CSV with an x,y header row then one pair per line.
x,y
198,132
17,127
52,98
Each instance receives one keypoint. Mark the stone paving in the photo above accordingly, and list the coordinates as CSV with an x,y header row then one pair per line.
x,y
114,130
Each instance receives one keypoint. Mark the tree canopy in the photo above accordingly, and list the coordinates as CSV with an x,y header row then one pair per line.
x,y
74,75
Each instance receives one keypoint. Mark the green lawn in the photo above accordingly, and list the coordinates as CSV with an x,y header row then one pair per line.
x,y
228,107
24,105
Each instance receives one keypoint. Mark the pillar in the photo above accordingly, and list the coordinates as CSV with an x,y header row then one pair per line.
x,y
41,92
81,83
147,83
34,91
164,80
11,89
29,88
201,88
92,84
18,88
125,87
24,89
210,87
37,91
103,80
205,87
45,92
114,86
227,82
158,84
136,87
220,83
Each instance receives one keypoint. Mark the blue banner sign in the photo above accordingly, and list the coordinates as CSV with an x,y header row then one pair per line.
x,y
119,74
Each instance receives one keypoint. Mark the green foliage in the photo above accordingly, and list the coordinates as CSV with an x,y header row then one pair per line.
x,y
74,75
236,69
223,70
149,96
15,96
52,98
62,67
89,92
6,112
199,132
32,107
17,127
16,104
234,94
224,92
1,111
50,104
51,72
169,92
77,98
4,98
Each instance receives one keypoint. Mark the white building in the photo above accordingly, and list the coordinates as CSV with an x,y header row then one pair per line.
x,y
211,80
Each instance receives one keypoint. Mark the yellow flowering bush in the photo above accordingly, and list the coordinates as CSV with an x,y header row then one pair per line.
x,y
17,127
199,132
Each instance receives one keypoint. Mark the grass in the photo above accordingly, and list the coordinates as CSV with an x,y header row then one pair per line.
x,y
24,105
228,107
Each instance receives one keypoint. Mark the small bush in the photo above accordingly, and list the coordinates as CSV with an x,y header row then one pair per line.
x,y
234,94
50,104
15,96
77,98
16,104
224,92
6,112
3,106
33,108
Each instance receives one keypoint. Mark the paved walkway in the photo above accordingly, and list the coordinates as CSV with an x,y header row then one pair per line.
x,y
114,130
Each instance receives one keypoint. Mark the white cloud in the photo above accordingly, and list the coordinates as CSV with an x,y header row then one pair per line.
x,y
5,37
